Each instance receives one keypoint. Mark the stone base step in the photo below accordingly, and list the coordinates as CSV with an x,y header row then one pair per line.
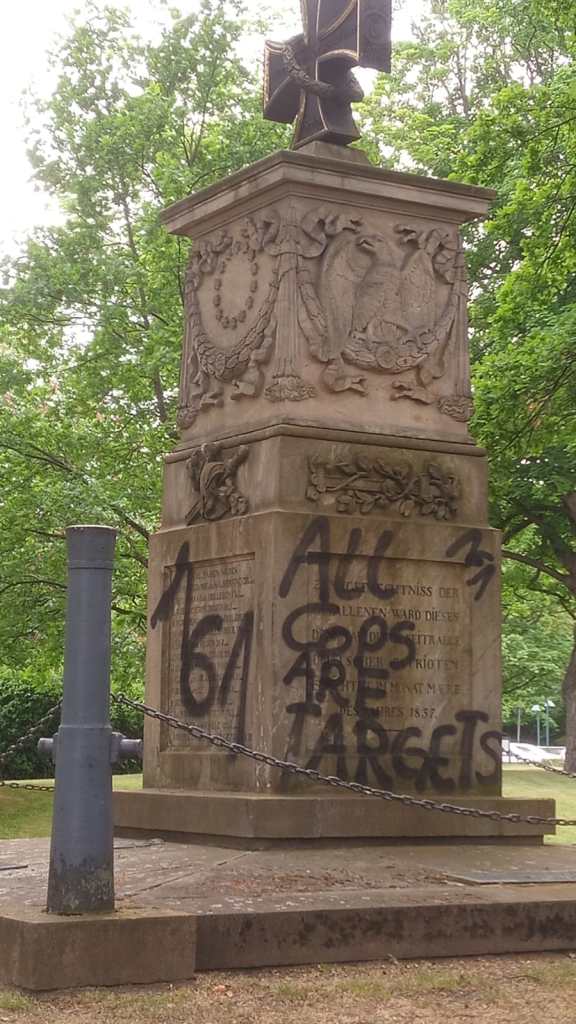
x,y
256,816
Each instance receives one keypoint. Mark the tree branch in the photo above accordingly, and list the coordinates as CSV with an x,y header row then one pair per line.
x,y
536,563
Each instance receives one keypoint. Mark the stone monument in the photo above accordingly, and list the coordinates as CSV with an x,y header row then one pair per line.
x,y
324,586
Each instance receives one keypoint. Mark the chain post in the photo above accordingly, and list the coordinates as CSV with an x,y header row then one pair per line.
x,y
81,874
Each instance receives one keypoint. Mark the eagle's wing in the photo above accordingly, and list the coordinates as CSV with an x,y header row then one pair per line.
x,y
418,293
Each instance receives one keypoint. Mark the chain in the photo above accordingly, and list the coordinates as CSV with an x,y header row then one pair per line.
x,y
543,765
30,786
25,739
19,744
332,780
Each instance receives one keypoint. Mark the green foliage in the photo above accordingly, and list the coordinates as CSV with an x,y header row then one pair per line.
x,y
91,310
24,699
22,703
485,93
535,651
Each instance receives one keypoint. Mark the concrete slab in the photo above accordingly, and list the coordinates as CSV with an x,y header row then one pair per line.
x,y
297,904
44,951
404,924
179,875
519,878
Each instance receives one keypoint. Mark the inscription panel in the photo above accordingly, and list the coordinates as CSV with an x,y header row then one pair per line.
x,y
207,654
375,658
409,655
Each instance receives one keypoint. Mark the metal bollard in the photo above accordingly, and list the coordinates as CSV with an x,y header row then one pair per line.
x,y
81,876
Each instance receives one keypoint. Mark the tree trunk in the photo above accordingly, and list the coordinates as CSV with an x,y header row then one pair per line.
x,y
569,693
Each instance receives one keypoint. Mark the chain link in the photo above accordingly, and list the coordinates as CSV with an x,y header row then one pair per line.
x,y
30,786
332,780
545,766
20,744
30,734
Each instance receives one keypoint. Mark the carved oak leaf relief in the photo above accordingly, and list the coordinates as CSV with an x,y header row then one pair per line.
x,y
261,299
356,483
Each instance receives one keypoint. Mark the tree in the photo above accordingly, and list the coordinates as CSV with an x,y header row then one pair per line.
x,y
485,94
536,648
91,310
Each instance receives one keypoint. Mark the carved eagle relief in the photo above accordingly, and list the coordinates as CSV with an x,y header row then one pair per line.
x,y
364,301
378,306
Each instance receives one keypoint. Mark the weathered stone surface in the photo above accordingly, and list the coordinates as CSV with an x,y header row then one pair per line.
x,y
318,817
326,292
45,951
179,876
399,479
324,586
399,925
361,647
294,903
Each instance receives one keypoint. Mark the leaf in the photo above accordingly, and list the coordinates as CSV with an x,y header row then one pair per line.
x,y
367,505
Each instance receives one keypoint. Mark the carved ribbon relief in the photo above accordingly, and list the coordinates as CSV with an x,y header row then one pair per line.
x,y
262,299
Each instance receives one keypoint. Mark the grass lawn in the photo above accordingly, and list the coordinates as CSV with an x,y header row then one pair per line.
x,y
514,990
25,815
521,781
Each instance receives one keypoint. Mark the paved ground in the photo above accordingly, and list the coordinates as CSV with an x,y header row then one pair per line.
x,y
206,877
287,906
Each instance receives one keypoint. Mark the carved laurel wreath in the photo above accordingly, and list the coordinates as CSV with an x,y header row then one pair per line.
x,y
226,364
204,361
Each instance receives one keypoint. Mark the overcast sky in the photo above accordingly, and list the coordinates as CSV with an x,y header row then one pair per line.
x,y
29,29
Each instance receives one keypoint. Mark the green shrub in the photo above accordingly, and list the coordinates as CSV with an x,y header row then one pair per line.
x,y
23,701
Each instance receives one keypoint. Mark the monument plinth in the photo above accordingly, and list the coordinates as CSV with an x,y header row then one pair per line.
x,y
324,586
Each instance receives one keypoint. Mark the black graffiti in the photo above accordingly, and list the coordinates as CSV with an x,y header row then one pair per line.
x,y
166,603
375,754
318,530
383,756
193,660
476,558
319,663
200,687
325,652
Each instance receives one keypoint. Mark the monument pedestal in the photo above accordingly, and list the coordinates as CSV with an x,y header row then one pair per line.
x,y
325,587
252,820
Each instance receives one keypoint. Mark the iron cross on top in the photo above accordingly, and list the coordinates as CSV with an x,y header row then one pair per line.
x,y
309,79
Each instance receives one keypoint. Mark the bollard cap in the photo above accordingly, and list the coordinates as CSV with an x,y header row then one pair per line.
x,y
91,547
